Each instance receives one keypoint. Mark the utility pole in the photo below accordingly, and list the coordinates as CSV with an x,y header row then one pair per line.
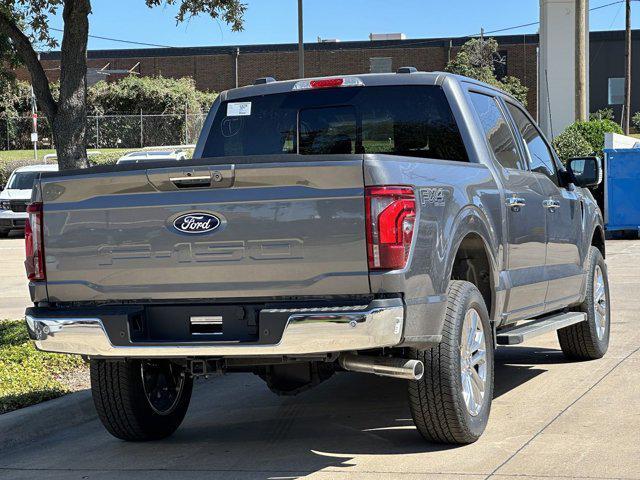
x,y
236,66
626,113
300,42
581,61
34,119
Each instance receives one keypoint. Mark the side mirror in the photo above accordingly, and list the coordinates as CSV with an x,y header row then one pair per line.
x,y
585,171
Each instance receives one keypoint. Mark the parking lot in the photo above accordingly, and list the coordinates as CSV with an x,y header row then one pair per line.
x,y
14,295
550,418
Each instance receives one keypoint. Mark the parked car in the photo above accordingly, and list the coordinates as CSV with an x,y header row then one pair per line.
x,y
16,195
395,224
147,156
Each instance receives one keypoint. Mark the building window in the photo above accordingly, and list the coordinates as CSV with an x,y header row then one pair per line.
x,y
500,64
616,91
380,65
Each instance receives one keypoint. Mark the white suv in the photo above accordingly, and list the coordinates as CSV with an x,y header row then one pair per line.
x,y
17,194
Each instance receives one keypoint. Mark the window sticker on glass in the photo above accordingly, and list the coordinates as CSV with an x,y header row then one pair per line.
x,y
238,109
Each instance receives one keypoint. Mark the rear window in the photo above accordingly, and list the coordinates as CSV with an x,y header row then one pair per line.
x,y
411,121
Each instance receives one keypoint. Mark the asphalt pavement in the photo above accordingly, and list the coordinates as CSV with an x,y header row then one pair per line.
x,y
14,294
551,419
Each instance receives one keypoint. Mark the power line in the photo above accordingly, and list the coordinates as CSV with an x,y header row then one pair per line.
x,y
404,44
119,40
505,29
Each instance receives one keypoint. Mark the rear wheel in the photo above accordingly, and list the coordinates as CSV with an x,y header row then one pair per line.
x,y
452,401
590,340
140,400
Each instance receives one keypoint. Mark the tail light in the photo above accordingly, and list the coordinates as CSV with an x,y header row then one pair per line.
x,y
33,237
391,216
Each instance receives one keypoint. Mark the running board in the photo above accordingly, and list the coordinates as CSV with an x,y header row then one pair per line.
x,y
533,328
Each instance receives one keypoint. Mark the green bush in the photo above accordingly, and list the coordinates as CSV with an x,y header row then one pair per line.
x,y
151,95
635,120
602,114
593,132
570,144
123,101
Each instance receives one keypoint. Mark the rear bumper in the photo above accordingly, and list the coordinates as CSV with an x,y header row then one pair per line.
x,y
306,331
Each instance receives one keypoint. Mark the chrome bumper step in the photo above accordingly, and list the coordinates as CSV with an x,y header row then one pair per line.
x,y
533,328
308,331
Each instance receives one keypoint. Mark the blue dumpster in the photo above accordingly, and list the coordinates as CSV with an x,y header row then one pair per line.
x,y
622,189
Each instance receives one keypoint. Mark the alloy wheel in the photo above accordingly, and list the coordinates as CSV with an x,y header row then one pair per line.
x,y
600,302
473,362
162,383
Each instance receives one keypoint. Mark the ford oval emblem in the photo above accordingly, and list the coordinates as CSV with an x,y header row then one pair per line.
x,y
196,222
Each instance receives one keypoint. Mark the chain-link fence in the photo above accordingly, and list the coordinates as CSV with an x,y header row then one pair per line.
x,y
109,131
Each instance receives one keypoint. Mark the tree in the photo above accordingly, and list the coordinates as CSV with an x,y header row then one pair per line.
x,y
477,59
24,27
584,138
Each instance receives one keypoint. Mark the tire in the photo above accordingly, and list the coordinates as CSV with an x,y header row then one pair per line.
x,y
123,406
590,340
437,401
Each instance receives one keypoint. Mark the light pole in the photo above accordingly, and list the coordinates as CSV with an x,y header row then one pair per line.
x,y
581,61
626,113
300,42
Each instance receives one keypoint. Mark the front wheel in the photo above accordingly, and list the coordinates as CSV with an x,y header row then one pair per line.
x,y
452,401
140,400
590,340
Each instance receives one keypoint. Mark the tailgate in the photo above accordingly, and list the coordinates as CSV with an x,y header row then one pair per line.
x,y
204,230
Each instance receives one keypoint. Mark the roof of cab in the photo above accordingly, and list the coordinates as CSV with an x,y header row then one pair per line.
x,y
369,79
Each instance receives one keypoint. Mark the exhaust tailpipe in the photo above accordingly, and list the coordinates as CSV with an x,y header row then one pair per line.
x,y
383,366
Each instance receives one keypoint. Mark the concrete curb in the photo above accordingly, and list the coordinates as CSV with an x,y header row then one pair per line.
x,y
39,420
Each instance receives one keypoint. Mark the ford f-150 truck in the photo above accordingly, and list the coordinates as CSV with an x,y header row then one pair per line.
x,y
396,224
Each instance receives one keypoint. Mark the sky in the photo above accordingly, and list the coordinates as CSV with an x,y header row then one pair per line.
x,y
275,21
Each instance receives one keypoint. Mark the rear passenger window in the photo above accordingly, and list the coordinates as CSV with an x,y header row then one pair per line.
x,y
540,157
497,131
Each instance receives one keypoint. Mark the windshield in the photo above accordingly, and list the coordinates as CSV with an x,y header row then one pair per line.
x,y
22,180
412,120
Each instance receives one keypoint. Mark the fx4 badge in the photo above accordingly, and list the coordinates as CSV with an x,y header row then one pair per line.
x,y
432,195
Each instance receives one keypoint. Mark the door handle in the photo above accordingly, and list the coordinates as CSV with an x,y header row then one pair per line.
x,y
196,176
515,203
191,181
551,204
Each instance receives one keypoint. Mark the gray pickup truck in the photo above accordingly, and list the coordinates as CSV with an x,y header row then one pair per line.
x,y
395,224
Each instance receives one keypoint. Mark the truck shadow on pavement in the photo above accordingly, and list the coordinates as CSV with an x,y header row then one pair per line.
x,y
235,423
239,429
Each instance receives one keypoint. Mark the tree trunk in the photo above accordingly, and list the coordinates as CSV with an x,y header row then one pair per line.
x,y
70,120
68,117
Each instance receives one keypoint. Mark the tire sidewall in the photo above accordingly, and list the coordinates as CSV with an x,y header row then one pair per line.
x,y
475,424
601,345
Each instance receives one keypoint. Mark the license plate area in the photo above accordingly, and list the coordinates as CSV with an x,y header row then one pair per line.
x,y
199,323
